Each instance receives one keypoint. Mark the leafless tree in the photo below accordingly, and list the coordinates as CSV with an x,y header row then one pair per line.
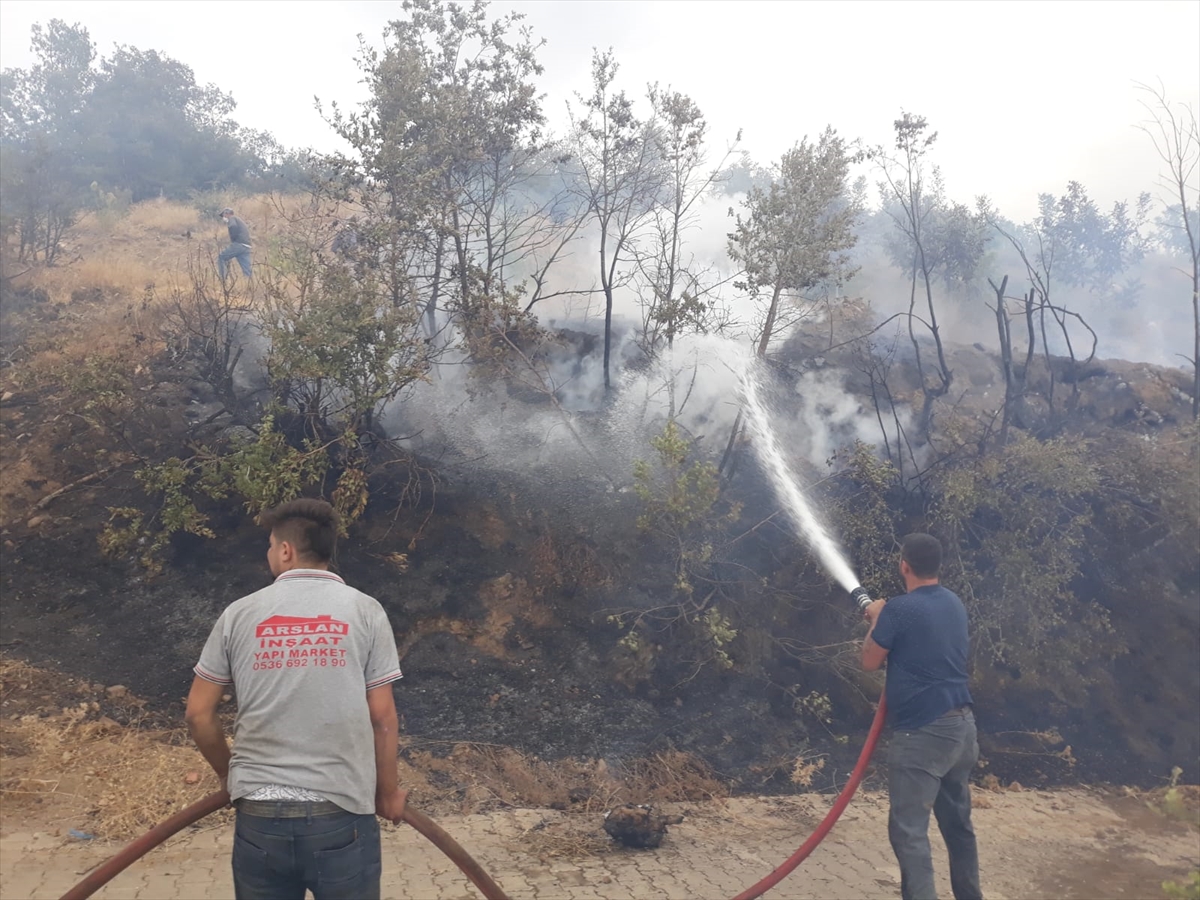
x,y
905,183
1040,266
622,177
1176,138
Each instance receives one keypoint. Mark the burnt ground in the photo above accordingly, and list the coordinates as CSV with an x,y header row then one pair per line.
x,y
501,614
519,676
490,654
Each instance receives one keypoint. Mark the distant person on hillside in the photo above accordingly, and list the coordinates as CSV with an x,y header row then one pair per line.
x,y
314,757
922,635
345,242
239,244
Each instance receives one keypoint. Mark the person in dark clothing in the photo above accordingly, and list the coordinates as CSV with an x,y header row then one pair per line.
x,y
922,635
239,244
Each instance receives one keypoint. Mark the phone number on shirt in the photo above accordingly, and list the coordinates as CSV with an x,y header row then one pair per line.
x,y
319,661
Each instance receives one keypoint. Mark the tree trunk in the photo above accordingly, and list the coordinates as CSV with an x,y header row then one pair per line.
x,y
769,325
1006,359
431,307
606,283
1195,338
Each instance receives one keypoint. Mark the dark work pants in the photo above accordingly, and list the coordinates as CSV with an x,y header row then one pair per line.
x,y
928,770
337,857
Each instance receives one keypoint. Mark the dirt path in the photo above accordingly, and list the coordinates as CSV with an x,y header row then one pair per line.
x,y
1074,844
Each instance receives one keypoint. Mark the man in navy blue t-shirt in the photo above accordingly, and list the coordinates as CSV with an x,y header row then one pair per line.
x,y
923,637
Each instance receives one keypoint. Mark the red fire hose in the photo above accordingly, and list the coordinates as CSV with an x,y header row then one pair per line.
x,y
831,817
104,873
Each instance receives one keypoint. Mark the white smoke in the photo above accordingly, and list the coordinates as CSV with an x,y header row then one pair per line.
x,y
590,436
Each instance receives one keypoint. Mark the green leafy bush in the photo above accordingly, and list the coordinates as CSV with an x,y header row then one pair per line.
x,y
262,472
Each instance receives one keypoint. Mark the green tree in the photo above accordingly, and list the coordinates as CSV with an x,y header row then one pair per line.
x,y
41,187
677,292
794,238
45,98
452,164
340,349
134,122
152,130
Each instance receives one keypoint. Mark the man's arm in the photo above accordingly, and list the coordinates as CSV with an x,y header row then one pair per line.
x,y
205,726
389,799
872,654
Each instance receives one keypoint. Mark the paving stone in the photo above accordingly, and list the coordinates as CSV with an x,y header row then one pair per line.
x,y
722,848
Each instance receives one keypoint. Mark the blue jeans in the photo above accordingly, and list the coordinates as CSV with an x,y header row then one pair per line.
x,y
337,857
240,252
928,769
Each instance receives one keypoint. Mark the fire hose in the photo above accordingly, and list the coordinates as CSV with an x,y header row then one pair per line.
x,y
843,800
102,874
105,872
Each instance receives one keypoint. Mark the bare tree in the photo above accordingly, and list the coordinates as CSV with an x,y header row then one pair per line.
x,y
1176,138
905,183
1013,384
676,289
621,175
1052,239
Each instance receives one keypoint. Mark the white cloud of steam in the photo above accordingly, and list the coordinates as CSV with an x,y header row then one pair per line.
x,y
831,416
588,439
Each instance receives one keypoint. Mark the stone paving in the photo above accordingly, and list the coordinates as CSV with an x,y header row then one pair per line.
x,y
1032,844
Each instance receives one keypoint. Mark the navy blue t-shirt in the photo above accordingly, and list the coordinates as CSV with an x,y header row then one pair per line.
x,y
925,634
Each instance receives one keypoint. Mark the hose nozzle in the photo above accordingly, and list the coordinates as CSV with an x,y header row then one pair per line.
x,y
860,596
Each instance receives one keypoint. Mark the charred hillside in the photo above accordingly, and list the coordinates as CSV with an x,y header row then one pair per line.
x,y
568,607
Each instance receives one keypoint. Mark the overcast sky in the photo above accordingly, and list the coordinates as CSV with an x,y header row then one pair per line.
x,y
1025,95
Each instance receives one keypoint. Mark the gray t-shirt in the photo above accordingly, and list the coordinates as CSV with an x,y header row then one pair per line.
x,y
302,655
238,232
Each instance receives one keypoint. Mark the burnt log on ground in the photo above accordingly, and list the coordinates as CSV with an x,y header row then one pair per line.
x,y
638,826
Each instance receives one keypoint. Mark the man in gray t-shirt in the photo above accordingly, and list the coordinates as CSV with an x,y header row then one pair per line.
x,y
314,760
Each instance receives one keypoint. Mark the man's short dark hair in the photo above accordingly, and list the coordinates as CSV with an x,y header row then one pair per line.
x,y
310,526
923,553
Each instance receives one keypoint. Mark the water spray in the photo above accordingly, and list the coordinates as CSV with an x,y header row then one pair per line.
x,y
813,531
796,505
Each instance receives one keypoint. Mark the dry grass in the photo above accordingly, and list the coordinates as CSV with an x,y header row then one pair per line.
x,y
148,245
110,291
564,836
82,769
65,759
164,217
474,777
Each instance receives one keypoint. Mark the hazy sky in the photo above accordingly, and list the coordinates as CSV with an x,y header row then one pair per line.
x,y
1025,95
